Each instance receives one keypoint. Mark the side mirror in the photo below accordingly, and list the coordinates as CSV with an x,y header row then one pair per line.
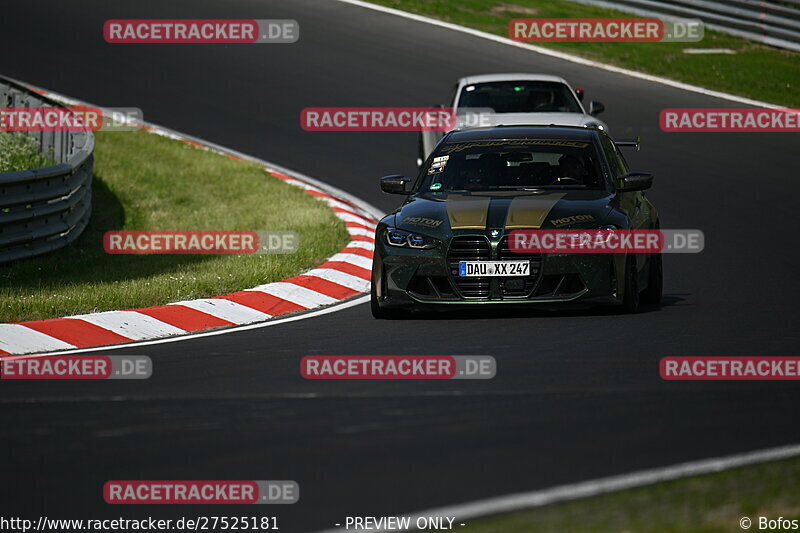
x,y
634,181
595,108
395,184
579,92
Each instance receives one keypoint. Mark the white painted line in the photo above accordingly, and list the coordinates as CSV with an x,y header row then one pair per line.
x,y
226,310
131,324
308,187
296,183
353,259
361,231
347,217
292,181
193,336
370,225
561,55
17,339
527,500
355,211
340,278
727,51
361,244
296,294
336,203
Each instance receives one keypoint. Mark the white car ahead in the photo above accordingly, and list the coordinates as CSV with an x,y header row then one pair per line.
x,y
516,99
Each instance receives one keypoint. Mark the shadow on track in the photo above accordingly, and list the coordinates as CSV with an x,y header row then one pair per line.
x,y
572,312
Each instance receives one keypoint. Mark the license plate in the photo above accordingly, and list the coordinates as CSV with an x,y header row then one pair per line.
x,y
468,269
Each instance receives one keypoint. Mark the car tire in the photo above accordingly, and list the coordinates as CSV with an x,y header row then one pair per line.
x,y
379,312
655,281
630,298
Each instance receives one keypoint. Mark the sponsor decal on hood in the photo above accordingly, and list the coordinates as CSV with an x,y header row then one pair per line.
x,y
422,221
465,212
451,148
558,222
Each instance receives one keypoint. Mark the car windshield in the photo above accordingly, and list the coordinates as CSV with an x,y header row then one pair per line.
x,y
518,164
520,97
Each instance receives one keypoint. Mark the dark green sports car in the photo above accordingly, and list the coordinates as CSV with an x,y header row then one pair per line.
x,y
479,185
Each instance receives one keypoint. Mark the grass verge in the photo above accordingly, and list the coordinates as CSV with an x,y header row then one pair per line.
x,y
713,503
143,181
755,71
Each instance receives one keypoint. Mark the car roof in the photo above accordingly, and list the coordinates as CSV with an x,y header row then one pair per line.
x,y
561,133
485,78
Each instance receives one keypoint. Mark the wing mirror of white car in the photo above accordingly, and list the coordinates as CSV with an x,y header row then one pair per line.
x,y
595,108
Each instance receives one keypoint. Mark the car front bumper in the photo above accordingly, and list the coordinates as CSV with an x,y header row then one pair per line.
x,y
419,278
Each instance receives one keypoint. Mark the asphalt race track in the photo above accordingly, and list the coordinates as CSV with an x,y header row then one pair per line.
x,y
577,395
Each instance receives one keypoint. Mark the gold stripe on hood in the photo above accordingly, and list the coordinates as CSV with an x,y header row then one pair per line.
x,y
467,212
530,211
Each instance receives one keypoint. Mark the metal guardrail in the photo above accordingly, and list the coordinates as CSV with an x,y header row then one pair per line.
x,y
46,208
766,21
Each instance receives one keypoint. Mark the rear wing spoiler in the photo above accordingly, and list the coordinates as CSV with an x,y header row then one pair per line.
x,y
629,142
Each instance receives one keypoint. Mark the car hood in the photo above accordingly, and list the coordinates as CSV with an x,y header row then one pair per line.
x,y
440,214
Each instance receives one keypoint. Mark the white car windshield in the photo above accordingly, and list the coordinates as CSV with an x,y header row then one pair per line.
x,y
520,97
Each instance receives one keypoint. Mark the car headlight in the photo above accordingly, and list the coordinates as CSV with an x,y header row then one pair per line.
x,y
406,239
594,125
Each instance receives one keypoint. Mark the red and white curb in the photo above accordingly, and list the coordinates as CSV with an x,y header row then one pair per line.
x,y
344,275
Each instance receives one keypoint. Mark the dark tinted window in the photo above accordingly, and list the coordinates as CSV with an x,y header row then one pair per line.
x,y
513,164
